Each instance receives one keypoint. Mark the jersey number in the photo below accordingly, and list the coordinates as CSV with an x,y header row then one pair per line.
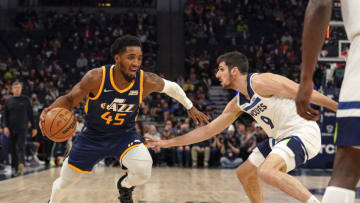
x,y
267,121
115,121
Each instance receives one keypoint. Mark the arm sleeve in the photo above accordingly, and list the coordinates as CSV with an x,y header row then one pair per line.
x,y
173,90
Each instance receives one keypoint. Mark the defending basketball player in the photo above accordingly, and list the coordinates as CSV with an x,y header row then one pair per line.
x,y
114,94
346,172
269,99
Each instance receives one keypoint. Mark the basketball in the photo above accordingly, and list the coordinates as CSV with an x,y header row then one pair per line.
x,y
59,124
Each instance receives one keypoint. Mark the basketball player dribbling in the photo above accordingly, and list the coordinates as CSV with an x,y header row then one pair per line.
x,y
114,94
346,171
269,99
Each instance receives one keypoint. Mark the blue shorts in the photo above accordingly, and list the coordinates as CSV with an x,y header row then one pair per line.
x,y
92,146
347,131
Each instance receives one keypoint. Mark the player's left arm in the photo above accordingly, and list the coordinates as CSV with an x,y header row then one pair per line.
x,y
268,84
154,83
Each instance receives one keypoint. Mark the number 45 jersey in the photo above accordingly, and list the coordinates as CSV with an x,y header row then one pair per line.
x,y
277,116
113,109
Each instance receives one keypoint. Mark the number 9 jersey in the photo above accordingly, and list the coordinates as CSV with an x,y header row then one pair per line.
x,y
113,109
277,116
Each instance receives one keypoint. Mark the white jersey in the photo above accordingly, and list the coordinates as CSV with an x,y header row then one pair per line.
x,y
277,116
351,15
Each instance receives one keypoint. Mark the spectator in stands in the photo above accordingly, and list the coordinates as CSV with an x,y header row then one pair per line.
x,y
82,61
183,151
155,153
230,150
168,155
201,148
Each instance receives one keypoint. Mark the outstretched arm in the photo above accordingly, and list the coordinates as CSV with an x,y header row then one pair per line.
x,y
269,84
317,17
228,116
154,83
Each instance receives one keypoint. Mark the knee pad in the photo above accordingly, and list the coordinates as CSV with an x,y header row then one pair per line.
x,y
139,164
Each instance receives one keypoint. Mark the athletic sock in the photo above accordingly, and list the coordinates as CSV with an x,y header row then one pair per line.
x,y
337,194
312,199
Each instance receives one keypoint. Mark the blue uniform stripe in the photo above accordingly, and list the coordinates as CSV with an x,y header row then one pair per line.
x,y
257,100
249,89
349,105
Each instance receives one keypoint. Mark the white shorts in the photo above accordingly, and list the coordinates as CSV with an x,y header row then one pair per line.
x,y
302,144
348,113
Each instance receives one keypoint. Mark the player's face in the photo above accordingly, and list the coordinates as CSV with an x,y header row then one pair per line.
x,y
130,61
223,75
16,90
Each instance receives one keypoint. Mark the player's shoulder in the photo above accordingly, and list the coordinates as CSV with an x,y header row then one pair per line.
x,y
151,77
260,78
95,74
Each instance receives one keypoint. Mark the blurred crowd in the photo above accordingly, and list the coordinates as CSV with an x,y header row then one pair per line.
x,y
50,52
92,3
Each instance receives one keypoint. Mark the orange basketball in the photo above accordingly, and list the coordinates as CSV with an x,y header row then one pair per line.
x,y
59,125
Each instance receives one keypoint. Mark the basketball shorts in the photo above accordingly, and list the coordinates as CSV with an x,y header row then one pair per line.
x,y
92,146
303,144
347,131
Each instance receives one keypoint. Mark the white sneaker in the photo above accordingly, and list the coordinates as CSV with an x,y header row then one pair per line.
x,y
37,160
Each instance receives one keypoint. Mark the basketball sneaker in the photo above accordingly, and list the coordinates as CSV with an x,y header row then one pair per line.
x,y
125,193
20,169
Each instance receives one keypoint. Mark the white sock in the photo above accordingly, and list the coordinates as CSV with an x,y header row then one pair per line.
x,y
312,199
337,194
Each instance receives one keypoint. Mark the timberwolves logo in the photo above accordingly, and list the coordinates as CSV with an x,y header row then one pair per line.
x,y
118,105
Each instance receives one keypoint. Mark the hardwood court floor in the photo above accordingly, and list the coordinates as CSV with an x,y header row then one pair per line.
x,y
167,185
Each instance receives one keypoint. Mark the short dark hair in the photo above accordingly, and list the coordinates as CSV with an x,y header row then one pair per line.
x,y
235,59
121,43
17,82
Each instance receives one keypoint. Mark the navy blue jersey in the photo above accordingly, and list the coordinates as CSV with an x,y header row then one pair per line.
x,y
113,109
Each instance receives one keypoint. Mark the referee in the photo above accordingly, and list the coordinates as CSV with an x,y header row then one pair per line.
x,y
17,114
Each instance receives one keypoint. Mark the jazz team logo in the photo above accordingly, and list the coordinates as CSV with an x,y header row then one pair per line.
x,y
118,105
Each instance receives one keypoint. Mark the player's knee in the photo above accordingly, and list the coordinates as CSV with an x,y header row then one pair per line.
x,y
265,174
142,171
244,174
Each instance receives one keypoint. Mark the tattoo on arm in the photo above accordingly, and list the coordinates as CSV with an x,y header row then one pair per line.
x,y
153,82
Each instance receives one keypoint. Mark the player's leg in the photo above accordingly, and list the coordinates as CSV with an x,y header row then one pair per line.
x,y
83,155
273,172
68,177
285,156
247,172
139,164
247,175
345,176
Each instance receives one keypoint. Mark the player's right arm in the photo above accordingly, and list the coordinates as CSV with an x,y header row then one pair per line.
x,y
317,18
228,116
90,83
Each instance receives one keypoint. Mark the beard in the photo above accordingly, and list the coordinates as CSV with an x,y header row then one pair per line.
x,y
127,77
227,85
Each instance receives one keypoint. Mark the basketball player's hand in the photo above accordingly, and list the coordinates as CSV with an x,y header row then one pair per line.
x,y
156,144
197,116
303,99
42,120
